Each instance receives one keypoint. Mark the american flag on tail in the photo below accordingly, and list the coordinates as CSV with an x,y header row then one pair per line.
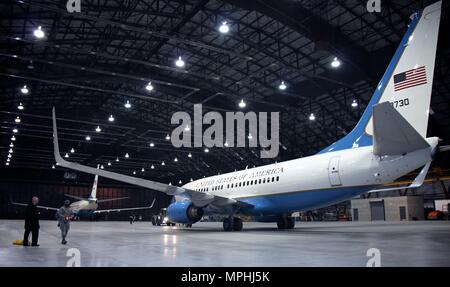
x,y
410,78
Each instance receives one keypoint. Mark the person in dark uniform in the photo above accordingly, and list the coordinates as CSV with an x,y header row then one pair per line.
x,y
32,223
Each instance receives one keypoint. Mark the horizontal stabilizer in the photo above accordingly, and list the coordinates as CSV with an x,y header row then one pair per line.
x,y
75,197
418,181
392,134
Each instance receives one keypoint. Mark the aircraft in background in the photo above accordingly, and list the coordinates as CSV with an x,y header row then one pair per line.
x,y
86,207
388,142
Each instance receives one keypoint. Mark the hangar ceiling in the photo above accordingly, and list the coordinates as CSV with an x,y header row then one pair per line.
x,y
90,64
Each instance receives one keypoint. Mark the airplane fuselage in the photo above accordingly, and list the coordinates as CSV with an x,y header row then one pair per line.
x,y
311,182
83,207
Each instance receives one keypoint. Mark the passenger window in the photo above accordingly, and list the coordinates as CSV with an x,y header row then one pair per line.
x,y
264,180
259,181
273,179
278,178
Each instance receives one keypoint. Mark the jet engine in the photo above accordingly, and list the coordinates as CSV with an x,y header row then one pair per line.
x,y
184,212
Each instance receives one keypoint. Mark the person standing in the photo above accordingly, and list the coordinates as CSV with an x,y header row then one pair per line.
x,y
32,223
65,214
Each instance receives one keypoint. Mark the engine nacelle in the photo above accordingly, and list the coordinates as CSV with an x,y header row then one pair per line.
x,y
184,212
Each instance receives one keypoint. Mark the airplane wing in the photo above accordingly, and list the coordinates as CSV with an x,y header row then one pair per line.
x,y
199,199
418,181
111,199
125,209
38,206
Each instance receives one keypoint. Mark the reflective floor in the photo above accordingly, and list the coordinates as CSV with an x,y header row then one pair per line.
x,y
259,244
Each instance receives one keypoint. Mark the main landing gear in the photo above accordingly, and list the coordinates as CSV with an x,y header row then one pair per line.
x,y
232,224
286,222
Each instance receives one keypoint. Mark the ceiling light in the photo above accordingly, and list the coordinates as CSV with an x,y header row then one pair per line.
x,y
191,179
8,160
127,155
282,86
72,150
250,136
180,182
102,167
134,172
127,105
163,163
11,145
66,155
149,87
242,104
9,155
53,166
17,120
88,138
225,144
152,144
152,167
109,163
10,150
98,129
111,118
354,104
7,163
13,138
15,130
38,33
336,63
24,90
224,28
312,117
170,183
189,155
117,159
142,169
175,159
206,149
179,62
20,106
167,137
187,128
57,163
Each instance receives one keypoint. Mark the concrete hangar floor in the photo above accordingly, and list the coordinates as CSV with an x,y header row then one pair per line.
x,y
205,244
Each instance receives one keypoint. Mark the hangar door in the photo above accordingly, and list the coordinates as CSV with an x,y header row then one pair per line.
x,y
333,172
377,210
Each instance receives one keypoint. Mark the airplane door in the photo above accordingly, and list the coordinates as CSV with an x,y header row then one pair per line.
x,y
333,172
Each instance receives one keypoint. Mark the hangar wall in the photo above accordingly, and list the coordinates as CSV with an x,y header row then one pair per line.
x,y
388,208
53,195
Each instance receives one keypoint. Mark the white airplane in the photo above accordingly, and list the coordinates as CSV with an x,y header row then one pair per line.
x,y
86,207
388,142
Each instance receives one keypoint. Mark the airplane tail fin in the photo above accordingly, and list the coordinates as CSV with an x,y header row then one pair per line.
x,y
407,82
94,188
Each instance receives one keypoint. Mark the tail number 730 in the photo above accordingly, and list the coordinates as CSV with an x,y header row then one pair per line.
x,y
400,103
